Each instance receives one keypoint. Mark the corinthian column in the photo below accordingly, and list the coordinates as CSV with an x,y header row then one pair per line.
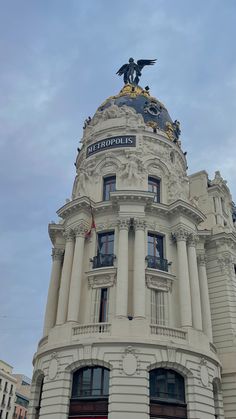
x,y
194,283
65,278
122,269
206,311
181,236
51,307
139,269
76,275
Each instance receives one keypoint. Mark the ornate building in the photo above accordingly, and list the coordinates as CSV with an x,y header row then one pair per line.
x,y
141,312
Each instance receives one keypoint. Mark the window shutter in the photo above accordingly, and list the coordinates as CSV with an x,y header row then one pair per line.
x,y
153,307
107,308
159,307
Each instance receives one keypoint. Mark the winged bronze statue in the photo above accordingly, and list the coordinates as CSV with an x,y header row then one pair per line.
x,y
132,71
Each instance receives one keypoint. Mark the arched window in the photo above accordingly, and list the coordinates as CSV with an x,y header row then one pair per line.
x,y
90,391
167,394
90,382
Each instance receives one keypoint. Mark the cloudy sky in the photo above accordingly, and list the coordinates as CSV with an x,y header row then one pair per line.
x,y
58,64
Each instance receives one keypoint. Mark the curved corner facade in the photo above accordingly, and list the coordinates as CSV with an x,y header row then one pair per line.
x,y
142,266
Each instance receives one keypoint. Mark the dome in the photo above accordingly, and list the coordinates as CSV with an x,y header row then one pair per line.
x,y
153,111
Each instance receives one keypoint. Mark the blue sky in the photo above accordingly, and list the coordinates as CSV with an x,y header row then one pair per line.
x,y
58,64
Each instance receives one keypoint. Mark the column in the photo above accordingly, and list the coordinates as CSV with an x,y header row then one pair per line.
x,y
194,283
139,290
65,278
51,307
205,301
122,269
76,275
181,236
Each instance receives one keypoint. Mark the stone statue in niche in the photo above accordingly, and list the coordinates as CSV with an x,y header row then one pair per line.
x,y
82,178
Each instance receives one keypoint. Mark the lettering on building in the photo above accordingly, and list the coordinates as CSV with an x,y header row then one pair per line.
x,y
113,142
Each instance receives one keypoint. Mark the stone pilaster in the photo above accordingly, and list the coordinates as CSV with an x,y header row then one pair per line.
x,y
52,300
205,301
139,268
76,274
181,236
122,269
194,282
65,278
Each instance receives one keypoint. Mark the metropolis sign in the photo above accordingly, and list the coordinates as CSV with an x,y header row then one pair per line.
x,y
113,142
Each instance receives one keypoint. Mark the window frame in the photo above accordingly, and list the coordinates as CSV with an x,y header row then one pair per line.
x,y
179,382
106,183
78,380
155,182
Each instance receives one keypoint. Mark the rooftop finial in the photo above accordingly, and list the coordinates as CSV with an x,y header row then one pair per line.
x,y
132,70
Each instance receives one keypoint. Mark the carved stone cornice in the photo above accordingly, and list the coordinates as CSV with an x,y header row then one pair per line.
x,y
103,277
181,234
57,254
140,224
202,259
226,263
69,235
55,230
159,280
124,223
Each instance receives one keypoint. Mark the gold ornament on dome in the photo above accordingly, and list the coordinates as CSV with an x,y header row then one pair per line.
x,y
152,124
170,131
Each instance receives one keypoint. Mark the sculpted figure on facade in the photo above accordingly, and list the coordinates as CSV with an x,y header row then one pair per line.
x,y
132,171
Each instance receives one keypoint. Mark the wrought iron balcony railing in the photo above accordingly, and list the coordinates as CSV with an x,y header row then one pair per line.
x,y
103,260
155,262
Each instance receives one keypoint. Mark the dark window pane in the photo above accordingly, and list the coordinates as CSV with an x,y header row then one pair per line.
x,y
90,382
97,382
154,186
103,306
167,385
109,185
155,245
106,243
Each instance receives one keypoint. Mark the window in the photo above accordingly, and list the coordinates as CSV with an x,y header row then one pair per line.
x,y
3,400
7,415
167,385
11,389
9,402
155,252
159,307
1,414
105,256
109,185
5,387
154,186
100,305
91,382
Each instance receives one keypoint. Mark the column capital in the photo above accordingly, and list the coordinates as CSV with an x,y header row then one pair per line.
x,y
80,230
192,239
201,258
57,253
69,235
124,223
139,224
180,234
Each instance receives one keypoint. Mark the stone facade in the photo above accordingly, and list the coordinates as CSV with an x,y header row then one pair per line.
x,y
194,333
7,391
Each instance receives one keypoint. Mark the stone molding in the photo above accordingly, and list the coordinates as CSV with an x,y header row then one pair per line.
x,y
81,230
192,240
124,223
140,224
57,254
181,234
159,280
202,259
69,235
102,277
225,262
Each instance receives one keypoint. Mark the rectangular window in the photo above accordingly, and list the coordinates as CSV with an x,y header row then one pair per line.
x,y
105,249
11,390
155,257
5,387
154,186
109,185
100,305
159,307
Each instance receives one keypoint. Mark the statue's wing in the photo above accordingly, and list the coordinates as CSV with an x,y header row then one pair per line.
x,y
142,63
123,69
